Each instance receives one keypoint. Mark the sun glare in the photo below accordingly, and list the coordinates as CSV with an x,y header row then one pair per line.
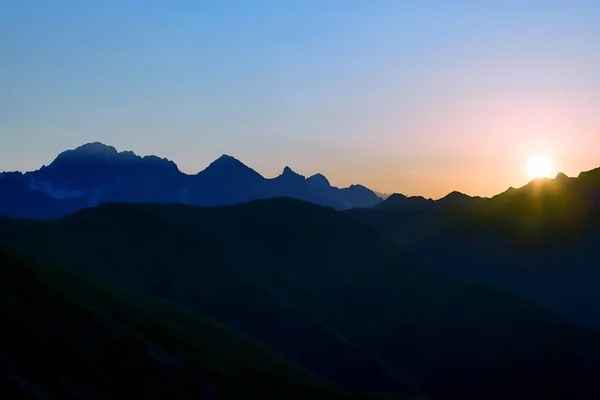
x,y
539,167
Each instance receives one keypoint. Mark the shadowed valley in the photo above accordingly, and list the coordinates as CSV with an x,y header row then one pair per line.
x,y
334,295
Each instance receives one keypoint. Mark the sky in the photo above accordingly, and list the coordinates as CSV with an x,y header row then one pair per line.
x,y
410,96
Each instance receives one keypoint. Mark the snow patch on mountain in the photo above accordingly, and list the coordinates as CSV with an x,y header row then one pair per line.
x,y
48,188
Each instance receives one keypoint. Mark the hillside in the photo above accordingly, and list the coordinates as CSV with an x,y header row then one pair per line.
x,y
66,337
331,293
540,241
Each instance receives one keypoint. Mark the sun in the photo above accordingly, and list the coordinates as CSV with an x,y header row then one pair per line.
x,y
539,166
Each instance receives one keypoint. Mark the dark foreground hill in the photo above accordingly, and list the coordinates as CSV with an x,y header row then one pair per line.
x,y
65,337
95,174
329,292
541,241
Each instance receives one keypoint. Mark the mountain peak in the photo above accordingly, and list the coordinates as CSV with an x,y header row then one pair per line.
x,y
104,154
396,196
228,167
96,165
289,173
225,161
96,147
226,157
455,195
94,150
319,179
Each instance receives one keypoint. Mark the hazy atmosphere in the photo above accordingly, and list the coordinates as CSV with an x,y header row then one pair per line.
x,y
416,97
300,199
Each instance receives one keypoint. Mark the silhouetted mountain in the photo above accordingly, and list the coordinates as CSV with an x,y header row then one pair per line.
x,y
227,167
415,203
331,293
359,197
319,181
401,202
95,174
540,241
226,181
290,184
96,167
457,199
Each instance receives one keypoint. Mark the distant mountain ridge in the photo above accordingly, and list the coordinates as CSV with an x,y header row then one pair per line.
x,y
95,173
455,199
578,192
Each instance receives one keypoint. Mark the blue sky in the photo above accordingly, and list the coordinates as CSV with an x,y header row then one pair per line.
x,y
418,97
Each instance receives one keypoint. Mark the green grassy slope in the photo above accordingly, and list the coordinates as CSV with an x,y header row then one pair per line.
x,y
65,337
329,292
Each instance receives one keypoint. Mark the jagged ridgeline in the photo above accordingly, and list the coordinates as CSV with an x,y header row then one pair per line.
x,y
95,174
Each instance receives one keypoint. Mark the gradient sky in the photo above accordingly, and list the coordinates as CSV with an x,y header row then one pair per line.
x,y
411,96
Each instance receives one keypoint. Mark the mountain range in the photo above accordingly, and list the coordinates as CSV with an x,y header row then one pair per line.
x,y
95,174
271,296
